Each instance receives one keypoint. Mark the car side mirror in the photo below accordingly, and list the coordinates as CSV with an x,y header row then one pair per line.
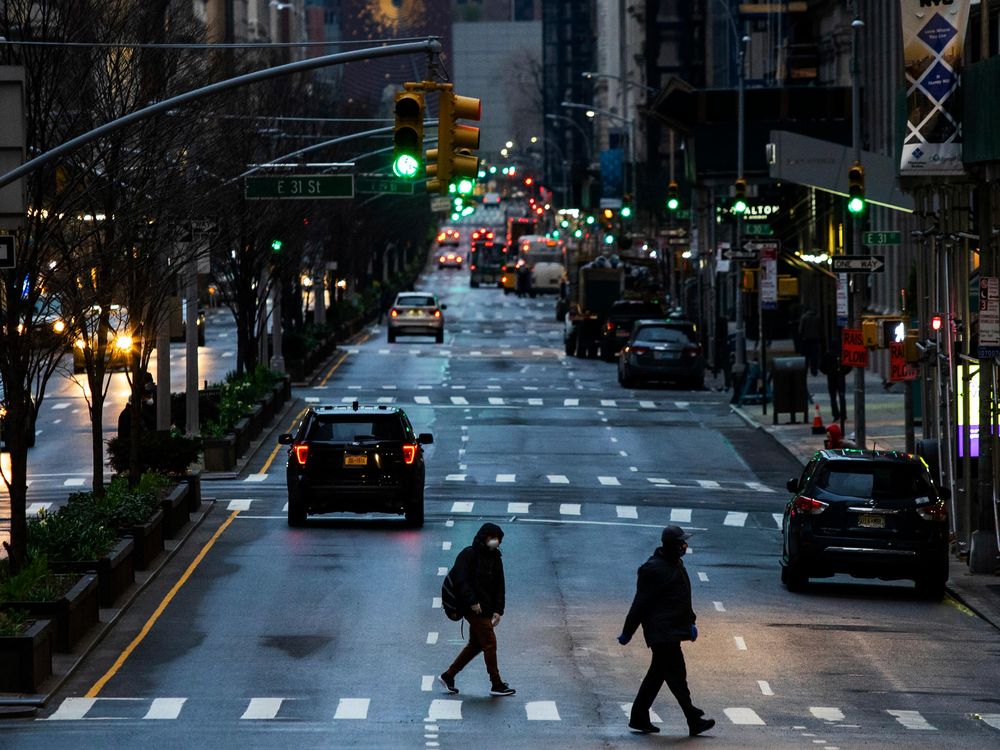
x,y
425,438
285,438
792,485
444,307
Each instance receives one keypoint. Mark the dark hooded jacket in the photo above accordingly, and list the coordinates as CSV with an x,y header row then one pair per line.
x,y
662,603
478,574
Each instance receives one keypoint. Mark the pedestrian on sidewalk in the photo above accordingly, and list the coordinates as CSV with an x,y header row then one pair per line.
x,y
479,587
662,605
836,381
809,338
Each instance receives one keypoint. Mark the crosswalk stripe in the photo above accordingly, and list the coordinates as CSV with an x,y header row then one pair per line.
x,y
459,400
535,402
432,638
496,401
442,709
626,511
462,507
765,687
436,602
657,480
72,709
734,518
912,720
165,708
445,546
758,486
312,399
653,716
506,478
708,484
34,508
719,607
779,519
609,481
745,716
608,402
421,400
75,482
239,505
992,720
455,478
352,708
826,714
557,478
387,399
256,478
262,708
442,571
60,405
680,515
542,711
521,508
569,509
647,404
347,399
427,683
571,402
681,404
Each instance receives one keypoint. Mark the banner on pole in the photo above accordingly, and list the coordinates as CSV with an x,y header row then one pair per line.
x,y
899,368
769,276
989,317
852,350
933,39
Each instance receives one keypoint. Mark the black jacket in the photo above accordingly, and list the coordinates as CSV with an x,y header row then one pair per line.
x,y
662,603
478,574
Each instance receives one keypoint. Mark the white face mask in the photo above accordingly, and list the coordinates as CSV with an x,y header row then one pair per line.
x,y
492,543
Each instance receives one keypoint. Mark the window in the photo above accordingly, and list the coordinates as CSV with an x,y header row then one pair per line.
x,y
415,300
663,334
341,430
873,480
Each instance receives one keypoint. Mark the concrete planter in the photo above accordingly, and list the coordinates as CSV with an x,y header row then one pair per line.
x,y
220,453
26,659
148,538
175,511
73,614
115,571
267,409
256,421
242,431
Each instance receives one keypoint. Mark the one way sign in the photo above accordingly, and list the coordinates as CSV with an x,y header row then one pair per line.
x,y
858,264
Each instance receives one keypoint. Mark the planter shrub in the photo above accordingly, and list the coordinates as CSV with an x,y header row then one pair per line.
x,y
25,653
115,570
148,538
73,612
163,451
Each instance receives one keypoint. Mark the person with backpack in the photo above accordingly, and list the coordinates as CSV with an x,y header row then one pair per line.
x,y
474,590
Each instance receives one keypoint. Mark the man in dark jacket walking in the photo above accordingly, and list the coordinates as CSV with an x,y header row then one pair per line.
x,y
479,588
662,605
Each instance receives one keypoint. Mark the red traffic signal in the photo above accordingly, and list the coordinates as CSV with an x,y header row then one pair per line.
x,y
936,323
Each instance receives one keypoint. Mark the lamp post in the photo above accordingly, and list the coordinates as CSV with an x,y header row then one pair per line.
x,y
629,123
856,298
583,133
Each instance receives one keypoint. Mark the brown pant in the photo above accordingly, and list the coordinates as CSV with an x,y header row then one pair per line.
x,y
482,638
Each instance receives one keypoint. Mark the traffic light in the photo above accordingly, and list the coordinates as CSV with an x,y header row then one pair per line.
x,y
454,159
626,209
408,134
673,198
739,196
856,188
276,246
936,323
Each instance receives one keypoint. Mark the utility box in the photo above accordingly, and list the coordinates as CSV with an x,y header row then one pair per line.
x,y
790,392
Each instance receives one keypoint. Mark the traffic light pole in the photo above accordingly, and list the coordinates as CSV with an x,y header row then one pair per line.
x,y
856,298
741,334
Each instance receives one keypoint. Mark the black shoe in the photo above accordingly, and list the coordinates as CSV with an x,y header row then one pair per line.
x,y
646,728
701,725
501,688
448,682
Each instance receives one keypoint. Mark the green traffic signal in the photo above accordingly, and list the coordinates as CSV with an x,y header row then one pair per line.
x,y
673,204
590,220
406,166
578,233
276,246
739,206
856,205
609,239
465,186
626,212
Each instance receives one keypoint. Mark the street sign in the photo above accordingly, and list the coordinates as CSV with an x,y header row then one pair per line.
x,y
858,264
757,230
989,316
852,350
382,184
204,227
882,238
769,277
736,254
762,245
7,251
440,204
300,186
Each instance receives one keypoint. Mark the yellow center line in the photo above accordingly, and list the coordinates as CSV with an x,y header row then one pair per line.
x,y
959,606
113,670
278,447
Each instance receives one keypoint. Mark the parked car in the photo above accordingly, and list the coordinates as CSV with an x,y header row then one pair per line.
x,y
662,350
416,314
621,320
870,514
355,459
120,340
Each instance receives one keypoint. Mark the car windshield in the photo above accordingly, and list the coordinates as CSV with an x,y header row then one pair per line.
x,y
663,334
873,479
417,300
640,311
349,430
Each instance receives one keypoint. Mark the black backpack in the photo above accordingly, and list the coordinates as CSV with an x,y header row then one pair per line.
x,y
449,598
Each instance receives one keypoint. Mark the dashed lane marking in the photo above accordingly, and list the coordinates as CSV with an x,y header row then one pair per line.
x,y
427,683
609,481
421,400
445,546
60,405
647,404
72,709
708,484
542,711
496,401
34,509
557,478
734,518
912,720
75,482
743,716
569,509
518,508
571,402
608,402
462,507
455,478
263,709
765,687
825,713
352,708
506,478
239,505
459,400
653,716
719,606
165,708
442,709
741,645
626,511
432,638
256,478
680,515
778,519
703,576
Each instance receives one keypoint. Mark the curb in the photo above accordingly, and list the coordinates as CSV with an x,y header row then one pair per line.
x,y
255,446
753,423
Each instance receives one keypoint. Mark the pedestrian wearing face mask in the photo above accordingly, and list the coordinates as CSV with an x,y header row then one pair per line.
x,y
662,605
479,588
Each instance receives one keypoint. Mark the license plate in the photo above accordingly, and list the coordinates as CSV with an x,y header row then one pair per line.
x,y
664,355
869,521
355,460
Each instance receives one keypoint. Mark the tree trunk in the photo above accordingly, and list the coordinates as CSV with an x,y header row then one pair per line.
x,y
17,444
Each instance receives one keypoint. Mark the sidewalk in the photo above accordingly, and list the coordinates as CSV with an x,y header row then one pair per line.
x,y
885,427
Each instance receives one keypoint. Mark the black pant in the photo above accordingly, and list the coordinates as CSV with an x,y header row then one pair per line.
x,y
666,666
838,397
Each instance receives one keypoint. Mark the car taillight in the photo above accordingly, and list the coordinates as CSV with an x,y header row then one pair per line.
x,y
936,511
437,313
808,505
637,349
394,313
503,279
473,266
441,259
692,351
409,452
609,326
301,453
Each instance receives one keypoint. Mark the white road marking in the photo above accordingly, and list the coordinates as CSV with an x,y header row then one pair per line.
x,y
569,509
506,478
432,638
647,404
992,720
56,421
75,482
34,508
741,645
165,708
779,519
657,480
609,481
239,505
538,354
765,688
535,402
734,518
542,711
681,404
455,478
626,511
445,546
557,478
383,351
571,402
352,708
392,387
719,607
496,401
353,350
745,716
386,399
262,708
653,716
614,440
354,387
608,402
256,478
827,714
72,709
442,571
421,400
312,400
442,709
284,508
436,602
449,523
623,454
462,507
476,354
459,400
703,576
518,508
60,405
427,683
680,515
912,720
758,486
347,399
708,484
226,355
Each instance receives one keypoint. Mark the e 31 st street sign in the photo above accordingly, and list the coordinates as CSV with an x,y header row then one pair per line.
x,y
882,238
858,264
299,186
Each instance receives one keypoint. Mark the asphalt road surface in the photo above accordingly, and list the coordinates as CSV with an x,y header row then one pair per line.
x,y
331,635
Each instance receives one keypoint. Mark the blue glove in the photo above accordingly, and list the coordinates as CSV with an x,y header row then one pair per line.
x,y
694,633
622,639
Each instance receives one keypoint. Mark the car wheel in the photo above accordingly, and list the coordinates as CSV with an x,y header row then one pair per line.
x,y
296,514
626,378
392,337
931,586
697,383
794,577
415,510
474,284
439,337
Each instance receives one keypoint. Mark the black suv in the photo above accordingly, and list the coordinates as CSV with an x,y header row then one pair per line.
x,y
621,320
871,514
355,459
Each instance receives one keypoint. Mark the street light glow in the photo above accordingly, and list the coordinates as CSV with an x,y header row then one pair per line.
x,y
590,113
509,144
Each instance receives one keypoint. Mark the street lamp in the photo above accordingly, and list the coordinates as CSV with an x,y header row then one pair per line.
x,y
589,75
583,133
592,112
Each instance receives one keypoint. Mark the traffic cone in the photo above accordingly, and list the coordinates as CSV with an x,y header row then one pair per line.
x,y
818,428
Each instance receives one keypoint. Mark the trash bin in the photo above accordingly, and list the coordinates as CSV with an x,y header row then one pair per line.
x,y
790,393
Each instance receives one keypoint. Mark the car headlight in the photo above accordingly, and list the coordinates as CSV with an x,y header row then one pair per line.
x,y
123,342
